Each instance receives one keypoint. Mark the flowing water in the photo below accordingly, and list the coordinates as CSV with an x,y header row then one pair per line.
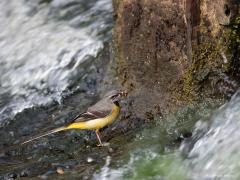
x,y
45,49
212,152
53,59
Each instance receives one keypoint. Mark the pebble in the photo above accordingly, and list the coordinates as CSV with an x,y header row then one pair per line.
x,y
89,159
60,170
23,174
11,133
110,150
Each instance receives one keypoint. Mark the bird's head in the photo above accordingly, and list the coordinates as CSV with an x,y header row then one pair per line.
x,y
116,95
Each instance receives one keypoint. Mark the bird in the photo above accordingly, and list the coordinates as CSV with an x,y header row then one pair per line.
x,y
97,116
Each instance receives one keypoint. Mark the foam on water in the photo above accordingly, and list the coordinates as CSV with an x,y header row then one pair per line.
x,y
216,154
44,48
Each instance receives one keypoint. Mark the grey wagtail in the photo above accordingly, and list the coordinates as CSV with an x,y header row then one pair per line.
x,y
99,115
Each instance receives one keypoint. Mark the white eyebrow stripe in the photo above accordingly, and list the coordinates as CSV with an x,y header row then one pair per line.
x,y
91,113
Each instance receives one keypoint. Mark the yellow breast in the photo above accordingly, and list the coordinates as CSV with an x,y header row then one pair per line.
x,y
97,123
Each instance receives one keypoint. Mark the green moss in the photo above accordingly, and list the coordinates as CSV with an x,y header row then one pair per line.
x,y
161,167
208,61
234,35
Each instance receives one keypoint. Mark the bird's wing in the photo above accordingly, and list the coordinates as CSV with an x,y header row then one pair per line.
x,y
99,110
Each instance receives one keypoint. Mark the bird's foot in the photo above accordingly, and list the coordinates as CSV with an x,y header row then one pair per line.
x,y
103,144
100,145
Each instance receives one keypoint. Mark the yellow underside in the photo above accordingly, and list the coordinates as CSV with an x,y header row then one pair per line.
x,y
97,123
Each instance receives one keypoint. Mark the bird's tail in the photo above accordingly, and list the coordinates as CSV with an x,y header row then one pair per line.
x,y
79,125
3,151
44,134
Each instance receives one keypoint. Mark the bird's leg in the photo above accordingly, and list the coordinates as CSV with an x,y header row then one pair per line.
x,y
98,137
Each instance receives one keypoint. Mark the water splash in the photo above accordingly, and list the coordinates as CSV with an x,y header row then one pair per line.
x,y
45,49
216,154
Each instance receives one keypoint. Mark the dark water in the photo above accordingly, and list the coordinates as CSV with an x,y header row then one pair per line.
x,y
54,60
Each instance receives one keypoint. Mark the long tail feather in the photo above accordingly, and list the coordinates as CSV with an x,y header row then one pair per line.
x,y
44,134
3,151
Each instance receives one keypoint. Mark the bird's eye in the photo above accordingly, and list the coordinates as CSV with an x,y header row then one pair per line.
x,y
114,96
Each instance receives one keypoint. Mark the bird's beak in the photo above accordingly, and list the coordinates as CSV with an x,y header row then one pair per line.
x,y
123,93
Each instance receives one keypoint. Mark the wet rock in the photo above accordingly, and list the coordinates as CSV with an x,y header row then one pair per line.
x,y
210,70
151,50
12,175
24,173
172,52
